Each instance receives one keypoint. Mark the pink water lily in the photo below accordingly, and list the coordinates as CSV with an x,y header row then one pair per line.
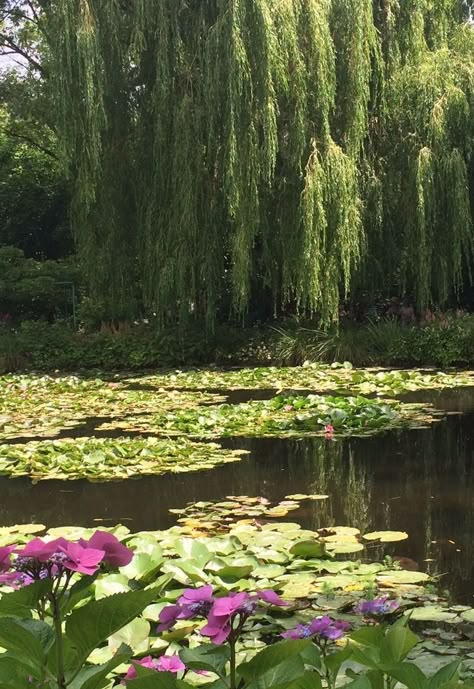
x,y
80,559
328,431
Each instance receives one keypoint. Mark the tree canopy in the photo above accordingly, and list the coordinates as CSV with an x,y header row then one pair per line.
x,y
296,148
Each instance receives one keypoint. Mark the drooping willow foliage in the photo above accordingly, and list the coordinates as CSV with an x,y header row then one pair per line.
x,y
284,147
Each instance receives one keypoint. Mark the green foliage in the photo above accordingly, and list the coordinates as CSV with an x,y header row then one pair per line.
x,y
33,195
48,347
30,289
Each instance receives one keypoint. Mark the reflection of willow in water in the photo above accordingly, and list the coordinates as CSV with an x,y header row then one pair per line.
x,y
332,469
420,481
449,524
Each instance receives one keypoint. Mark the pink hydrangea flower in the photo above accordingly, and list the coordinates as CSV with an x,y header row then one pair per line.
x,y
5,558
41,550
171,663
218,629
80,559
269,596
115,553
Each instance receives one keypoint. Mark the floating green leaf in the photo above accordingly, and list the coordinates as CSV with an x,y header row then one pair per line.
x,y
386,536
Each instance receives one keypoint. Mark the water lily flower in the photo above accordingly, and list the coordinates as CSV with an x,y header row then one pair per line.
x,y
383,605
288,407
171,663
80,559
328,431
5,558
115,553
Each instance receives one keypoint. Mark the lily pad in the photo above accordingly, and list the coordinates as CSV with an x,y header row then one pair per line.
x,y
401,576
386,536
345,547
432,613
308,549
304,496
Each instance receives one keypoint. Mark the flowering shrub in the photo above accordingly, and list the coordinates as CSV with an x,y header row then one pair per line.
x,y
49,578
48,637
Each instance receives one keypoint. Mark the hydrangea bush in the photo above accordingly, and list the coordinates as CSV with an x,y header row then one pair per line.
x,y
49,627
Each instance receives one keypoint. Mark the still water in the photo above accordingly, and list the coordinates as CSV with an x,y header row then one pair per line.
x,y
419,481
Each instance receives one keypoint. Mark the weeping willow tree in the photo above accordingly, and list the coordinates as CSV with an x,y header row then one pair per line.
x,y
235,146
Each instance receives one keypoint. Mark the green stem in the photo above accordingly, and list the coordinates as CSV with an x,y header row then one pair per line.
x,y
60,677
233,684
326,669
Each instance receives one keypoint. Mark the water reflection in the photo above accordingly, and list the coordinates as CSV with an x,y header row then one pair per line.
x,y
417,481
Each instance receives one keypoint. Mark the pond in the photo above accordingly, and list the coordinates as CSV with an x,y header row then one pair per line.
x,y
420,481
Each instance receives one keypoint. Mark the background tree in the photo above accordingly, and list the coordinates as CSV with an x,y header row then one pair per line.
x,y
298,149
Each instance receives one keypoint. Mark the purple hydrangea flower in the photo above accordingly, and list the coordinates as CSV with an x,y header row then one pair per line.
x,y
196,602
220,612
168,617
218,629
322,627
40,550
383,605
301,631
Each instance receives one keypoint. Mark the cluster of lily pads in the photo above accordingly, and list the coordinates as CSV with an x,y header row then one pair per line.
x,y
33,406
311,376
107,459
282,417
68,427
